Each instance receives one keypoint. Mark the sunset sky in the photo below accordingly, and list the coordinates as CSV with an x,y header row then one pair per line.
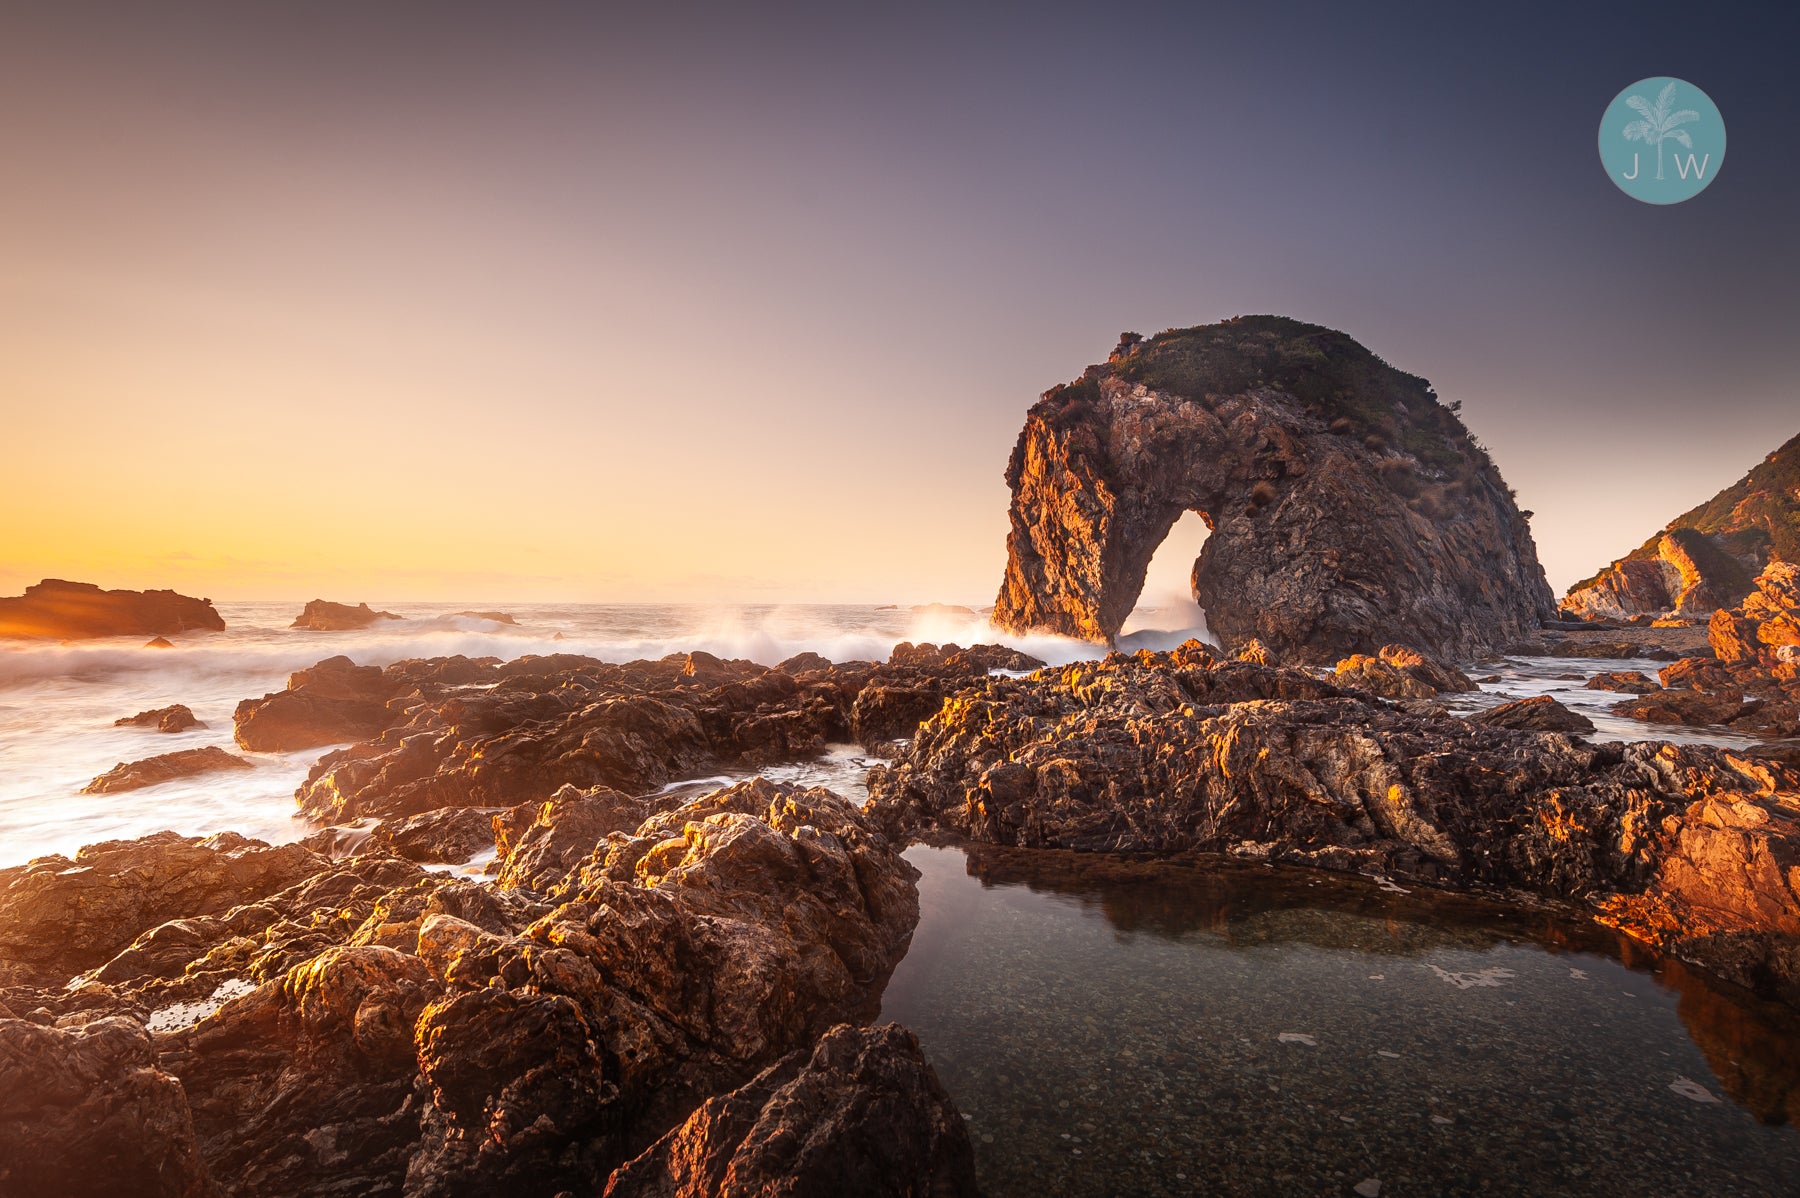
x,y
547,301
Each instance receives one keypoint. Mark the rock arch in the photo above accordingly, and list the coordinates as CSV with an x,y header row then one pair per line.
x,y
1348,507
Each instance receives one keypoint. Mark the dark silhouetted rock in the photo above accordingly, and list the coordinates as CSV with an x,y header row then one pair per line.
x,y
861,1113
159,642
79,610
1539,713
176,718
1349,508
322,615
165,767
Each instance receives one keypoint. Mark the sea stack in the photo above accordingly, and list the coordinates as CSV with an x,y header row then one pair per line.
x,y
1349,508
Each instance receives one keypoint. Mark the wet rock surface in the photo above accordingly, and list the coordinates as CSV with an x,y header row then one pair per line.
x,y
175,718
363,1026
1348,508
1689,846
78,610
164,767
487,734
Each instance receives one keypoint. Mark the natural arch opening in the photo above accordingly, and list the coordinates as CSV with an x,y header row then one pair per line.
x,y
1166,613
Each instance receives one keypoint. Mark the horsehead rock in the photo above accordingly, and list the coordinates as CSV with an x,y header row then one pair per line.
x,y
1348,507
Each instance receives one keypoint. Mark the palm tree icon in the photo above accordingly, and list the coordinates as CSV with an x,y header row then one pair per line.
x,y
1659,122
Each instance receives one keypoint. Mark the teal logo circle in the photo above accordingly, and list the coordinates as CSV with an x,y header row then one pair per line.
x,y
1662,140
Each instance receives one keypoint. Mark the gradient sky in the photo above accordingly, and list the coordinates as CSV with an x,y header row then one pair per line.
x,y
429,300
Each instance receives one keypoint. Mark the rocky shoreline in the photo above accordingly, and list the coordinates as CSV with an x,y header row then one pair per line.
x,y
641,994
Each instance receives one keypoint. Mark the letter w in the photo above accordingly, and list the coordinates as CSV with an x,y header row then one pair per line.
x,y
1685,167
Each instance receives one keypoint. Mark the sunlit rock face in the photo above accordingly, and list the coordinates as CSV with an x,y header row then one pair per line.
x,y
75,610
1348,507
1707,558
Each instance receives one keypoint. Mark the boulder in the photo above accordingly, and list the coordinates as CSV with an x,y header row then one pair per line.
x,y
322,615
164,767
1629,682
1397,672
80,610
1349,508
1539,713
175,718
451,834
1684,706
329,703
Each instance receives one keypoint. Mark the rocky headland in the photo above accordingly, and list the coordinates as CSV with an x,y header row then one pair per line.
x,y
1348,507
1706,558
80,610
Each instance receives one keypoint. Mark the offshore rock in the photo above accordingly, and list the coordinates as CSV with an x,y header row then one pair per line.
x,y
1348,507
77,610
861,1113
164,767
175,718
322,615
1705,558
1162,752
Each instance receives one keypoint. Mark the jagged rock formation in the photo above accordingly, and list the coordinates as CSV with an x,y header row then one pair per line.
x,y
1766,629
1400,673
481,733
1706,558
77,610
367,1027
1348,507
322,615
1692,848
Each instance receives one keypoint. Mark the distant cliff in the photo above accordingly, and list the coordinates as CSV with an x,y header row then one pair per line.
x,y
75,610
1349,508
1707,558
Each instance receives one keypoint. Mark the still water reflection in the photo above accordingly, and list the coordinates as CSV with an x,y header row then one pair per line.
x,y
1120,1027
